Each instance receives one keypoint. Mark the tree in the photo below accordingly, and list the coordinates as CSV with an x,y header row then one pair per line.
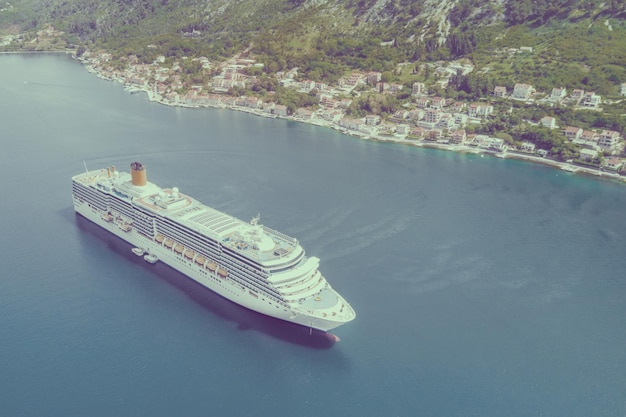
x,y
386,76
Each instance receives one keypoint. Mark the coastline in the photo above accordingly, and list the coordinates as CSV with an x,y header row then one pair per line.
x,y
51,51
395,139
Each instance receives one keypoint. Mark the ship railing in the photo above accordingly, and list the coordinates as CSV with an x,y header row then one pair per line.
x,y
280,235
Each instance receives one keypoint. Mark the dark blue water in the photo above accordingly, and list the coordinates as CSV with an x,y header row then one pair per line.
x,y
483,287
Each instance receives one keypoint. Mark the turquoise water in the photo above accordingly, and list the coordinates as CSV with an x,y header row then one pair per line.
x,y
483,287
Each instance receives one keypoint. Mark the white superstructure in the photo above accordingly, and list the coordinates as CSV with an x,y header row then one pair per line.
x,y
250,264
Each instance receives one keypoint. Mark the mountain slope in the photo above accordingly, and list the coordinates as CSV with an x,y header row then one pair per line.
x,y
326,37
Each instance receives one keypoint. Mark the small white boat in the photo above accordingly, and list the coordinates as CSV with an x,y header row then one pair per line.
x,y
138,251
150,258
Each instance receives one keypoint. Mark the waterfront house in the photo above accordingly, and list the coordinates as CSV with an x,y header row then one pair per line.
x,y
303,113
613,163
242,100
591,100
499,91
195,100
384,128
487,142
350,123
548,121
446,121
527,147
327,101
172,97
577,95
458,107
415,115
418,89
400,115
252,102
280,110
588,154
307,85
458,136
214,100
372,130
372,119
416,132
432,117
434,134
609,140
522,91
590,136
460,119
586,144
350,82
479,110
572,132
437,103
403,129
423,102
558,94
228,101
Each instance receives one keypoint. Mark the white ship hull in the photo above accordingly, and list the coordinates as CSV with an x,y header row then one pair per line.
x,y
225,287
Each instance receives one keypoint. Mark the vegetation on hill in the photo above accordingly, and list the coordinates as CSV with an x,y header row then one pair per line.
x,y
578,43
545,43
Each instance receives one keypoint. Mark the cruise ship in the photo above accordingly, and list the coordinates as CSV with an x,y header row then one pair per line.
x,y
246,262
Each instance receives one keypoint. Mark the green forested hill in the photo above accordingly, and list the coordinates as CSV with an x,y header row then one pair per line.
x,y
576,42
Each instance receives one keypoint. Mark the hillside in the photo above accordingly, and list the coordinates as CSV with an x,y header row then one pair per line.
x,y
372,34
433,63
578,43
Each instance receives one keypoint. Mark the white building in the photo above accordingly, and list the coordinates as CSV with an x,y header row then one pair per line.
x,y
609,140
522,91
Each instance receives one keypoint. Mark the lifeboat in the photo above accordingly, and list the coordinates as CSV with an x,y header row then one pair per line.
x,y
200,260
169,243
211,266
178,248
222,272
159,238
189,254
150,258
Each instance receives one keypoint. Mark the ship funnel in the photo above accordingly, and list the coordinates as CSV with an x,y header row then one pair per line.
x,y
138,174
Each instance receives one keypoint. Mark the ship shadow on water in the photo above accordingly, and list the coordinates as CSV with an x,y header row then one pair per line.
x,y
246,319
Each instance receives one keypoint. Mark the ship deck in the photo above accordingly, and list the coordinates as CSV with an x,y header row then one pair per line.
x,y
252,240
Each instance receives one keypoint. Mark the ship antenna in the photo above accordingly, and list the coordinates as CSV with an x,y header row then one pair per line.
x,y
86,170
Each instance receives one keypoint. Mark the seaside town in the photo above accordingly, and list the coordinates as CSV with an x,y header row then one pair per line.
x,y
427,120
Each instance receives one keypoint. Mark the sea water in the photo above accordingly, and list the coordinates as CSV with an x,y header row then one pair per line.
x,y
482,286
